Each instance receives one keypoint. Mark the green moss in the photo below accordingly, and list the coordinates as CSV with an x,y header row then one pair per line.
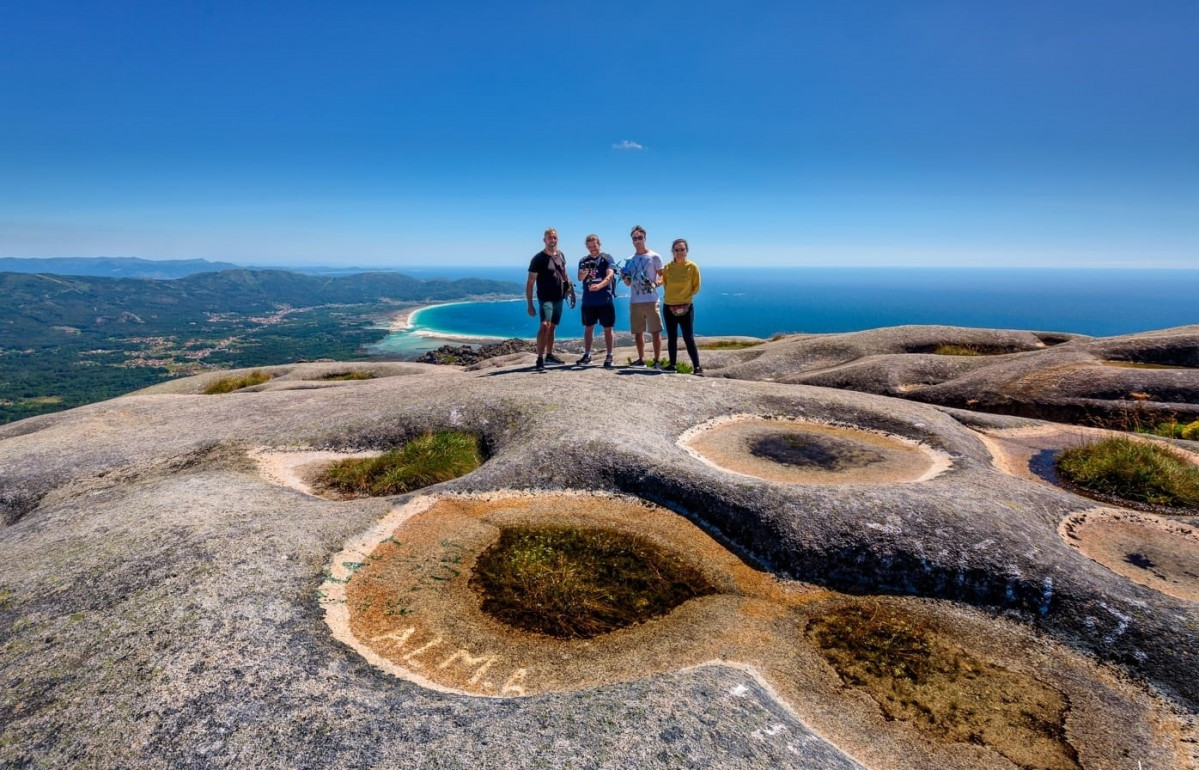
x,y
230,384
1132,470
353,375
956,350
430,459
733,344
579,583
919,676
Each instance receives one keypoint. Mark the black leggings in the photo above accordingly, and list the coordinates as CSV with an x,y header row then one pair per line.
x,y
687,322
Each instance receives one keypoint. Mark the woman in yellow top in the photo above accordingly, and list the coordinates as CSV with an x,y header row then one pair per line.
x,y
681,279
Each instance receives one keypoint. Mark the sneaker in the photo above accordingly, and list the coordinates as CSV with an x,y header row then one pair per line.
x,y
638,362
670,368
608,362
586,359
699,371
540,364
550,358
657,365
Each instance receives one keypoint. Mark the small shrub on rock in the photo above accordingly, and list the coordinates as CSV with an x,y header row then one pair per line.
x,y
430,459
1132,470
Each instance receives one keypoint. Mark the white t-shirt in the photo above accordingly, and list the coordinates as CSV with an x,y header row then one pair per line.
x,y
643,271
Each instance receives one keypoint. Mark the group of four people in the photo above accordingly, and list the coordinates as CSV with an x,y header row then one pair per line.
x,y
643,273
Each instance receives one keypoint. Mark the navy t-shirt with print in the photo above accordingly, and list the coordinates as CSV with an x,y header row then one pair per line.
x,y
597,267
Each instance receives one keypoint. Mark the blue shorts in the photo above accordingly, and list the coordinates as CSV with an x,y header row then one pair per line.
x,y
604,315
551,310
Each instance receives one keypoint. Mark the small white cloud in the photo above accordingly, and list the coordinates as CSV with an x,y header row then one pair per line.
x,y
627,144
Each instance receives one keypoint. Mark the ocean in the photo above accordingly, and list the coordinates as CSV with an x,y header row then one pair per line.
x,y
766,301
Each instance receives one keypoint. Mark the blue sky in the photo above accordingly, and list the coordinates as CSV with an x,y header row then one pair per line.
x,y
785,133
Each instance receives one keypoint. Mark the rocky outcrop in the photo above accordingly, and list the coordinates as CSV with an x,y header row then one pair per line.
x,y
1114,382
163,601
465,355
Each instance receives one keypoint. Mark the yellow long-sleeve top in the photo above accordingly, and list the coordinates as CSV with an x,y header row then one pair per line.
x,y
681,280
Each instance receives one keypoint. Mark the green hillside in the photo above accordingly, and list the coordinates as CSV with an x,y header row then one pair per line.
x,y
71,340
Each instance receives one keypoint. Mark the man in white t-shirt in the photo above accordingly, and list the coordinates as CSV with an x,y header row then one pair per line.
x,y
642,273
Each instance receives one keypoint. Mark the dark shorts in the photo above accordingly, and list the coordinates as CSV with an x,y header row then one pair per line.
x,y
551,310
604,315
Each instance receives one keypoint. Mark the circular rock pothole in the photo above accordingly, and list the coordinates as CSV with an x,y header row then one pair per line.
x,y
804,452
401,595
1157,553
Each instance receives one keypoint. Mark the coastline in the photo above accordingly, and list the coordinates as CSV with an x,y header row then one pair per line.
x,y
403,324
450,336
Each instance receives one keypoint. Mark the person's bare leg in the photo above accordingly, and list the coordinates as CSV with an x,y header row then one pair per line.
x,y
542,332
549,338
608,338
657,338
639,341
588,335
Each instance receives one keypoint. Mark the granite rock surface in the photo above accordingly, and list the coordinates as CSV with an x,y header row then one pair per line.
x,y
160,597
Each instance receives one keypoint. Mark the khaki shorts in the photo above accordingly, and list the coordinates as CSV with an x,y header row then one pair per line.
x,y
644,317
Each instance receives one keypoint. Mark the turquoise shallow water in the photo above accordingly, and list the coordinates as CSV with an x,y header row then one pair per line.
x,y
763,302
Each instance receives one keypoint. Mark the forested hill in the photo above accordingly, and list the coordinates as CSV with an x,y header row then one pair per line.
x,y
35,303
70,340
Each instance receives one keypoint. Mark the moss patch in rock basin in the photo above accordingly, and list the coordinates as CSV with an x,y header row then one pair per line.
x,y
230,384
568,582
429,459
352,375
918,675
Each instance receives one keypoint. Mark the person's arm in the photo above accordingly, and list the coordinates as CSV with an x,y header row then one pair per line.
x,y
694,279
609,277
657,272
529,292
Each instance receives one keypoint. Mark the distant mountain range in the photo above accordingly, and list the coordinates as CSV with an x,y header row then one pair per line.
x,y
113,267
133,267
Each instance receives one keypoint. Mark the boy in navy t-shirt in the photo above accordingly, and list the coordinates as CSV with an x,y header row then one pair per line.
x,y
597,272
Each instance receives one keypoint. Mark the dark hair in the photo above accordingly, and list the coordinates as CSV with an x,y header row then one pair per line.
x,y
683,241
637,229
